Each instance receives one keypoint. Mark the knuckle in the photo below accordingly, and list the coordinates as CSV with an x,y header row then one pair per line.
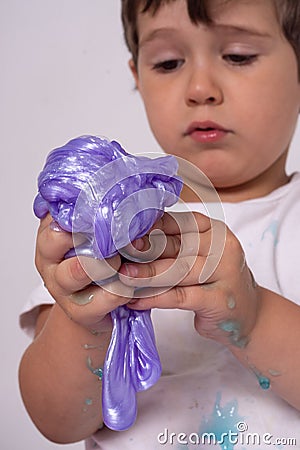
x,y
184,266
176,244
51,245
187,222
181,297
220,234
151,271
43,224
232,244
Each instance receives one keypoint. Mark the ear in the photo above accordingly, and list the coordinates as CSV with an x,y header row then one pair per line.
x,y
134,72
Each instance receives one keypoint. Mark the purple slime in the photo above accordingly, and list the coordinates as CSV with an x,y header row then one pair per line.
x,y
94,187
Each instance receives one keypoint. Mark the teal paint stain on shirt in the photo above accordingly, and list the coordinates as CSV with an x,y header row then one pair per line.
x,y
273,230
222,424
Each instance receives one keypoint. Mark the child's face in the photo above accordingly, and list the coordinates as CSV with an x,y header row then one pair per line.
x,y
225,97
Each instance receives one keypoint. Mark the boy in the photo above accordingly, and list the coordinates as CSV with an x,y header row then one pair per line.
x,y
220,84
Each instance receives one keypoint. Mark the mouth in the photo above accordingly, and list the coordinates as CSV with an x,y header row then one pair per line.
x,y
207,126
206,132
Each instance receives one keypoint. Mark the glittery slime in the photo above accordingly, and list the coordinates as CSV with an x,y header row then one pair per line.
x,y
92,186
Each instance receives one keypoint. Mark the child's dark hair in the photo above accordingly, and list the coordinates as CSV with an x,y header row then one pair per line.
x,y
288,12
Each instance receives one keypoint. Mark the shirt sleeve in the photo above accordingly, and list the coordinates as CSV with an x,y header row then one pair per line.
x,y
28,316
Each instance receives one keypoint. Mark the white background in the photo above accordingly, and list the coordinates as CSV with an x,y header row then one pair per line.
x,y
63,74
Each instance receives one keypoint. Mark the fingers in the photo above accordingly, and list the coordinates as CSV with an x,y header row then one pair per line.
x,y
207,302
189,270
69,280
212,234
76,273
190,241
189,258
158,245
91,305
164,272
62,276
177,297
52,242
185,222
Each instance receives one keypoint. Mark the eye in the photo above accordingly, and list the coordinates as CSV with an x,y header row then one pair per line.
x,y
240,60
168,65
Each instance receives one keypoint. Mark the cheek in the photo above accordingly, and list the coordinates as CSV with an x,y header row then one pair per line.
x,y
161,102
277,119
282,99
161,117
270,111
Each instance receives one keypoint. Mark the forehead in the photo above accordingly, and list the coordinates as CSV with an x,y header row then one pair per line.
x,y
175,12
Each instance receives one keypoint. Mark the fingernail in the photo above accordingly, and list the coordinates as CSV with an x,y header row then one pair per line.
x,y
55,226
130,270
82,298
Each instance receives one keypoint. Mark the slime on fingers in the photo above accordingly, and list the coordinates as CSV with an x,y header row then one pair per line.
x,y
93,188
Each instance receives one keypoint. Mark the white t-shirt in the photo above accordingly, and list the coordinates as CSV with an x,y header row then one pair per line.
x,y
204,390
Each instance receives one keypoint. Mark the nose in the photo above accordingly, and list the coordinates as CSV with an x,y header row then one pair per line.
x,y
203,88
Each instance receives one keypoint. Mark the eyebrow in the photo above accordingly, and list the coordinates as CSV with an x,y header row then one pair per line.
x,y
224,28
246,30
156,33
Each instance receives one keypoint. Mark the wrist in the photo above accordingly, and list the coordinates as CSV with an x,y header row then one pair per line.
x,y
248,323
88,334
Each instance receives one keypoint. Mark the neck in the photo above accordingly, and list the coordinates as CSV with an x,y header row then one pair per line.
x,y
200,189
258,187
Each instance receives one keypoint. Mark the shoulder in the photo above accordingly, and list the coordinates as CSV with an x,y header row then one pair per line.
x,y
287,211
288,196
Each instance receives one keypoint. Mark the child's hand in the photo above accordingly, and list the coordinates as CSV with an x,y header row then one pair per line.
x,y
202,268
69,280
